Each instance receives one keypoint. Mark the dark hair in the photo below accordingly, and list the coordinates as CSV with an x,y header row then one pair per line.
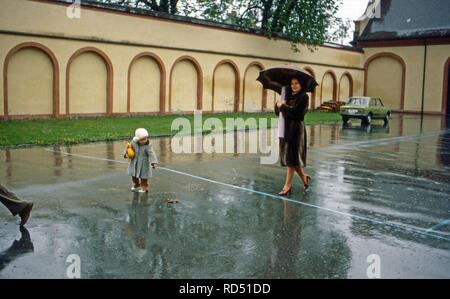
x,y
297,80
289,91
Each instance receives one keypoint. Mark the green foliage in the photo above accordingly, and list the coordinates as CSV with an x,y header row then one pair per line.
x,y
302,22
339,30
166,6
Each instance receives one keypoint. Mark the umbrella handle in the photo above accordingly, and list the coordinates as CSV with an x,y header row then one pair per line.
x,y
283,94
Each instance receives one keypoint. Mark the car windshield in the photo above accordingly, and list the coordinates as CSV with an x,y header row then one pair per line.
x,y
358,101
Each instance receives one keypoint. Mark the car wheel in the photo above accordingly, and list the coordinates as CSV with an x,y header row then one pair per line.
x,y
387,117
369,118
345,120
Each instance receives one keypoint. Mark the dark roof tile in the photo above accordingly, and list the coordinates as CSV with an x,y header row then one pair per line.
x,y
409,19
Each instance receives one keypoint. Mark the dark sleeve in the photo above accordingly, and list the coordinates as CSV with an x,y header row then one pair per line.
x,y
298,110
277,110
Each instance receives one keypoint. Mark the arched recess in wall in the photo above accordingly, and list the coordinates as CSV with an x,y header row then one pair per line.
x,y
446,88
89,83
226,87
345,87
385,78
312,95
328,89
254,97
146,84
185,93
30,82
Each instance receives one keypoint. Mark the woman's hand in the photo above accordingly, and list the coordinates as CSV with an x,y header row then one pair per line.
x,y
280,103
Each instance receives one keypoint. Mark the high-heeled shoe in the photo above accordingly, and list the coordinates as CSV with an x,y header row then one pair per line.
x,y
306,186
285,192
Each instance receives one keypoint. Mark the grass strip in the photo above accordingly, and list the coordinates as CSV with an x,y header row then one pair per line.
x,y
73,131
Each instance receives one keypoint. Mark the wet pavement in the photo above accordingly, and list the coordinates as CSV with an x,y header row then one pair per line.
x,y
375,191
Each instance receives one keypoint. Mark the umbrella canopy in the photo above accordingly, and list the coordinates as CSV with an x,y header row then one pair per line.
x,y
275,77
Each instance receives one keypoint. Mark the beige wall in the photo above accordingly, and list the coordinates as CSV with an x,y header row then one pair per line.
x,y
253,90
413,57
436,59
145,79
384,79
88,84
344,89
328,88
184,87
32,68
168,41
224,88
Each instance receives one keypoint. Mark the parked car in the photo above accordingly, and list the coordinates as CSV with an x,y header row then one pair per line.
x,y
366,109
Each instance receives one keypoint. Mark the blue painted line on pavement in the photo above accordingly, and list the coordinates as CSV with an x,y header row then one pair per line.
x,y
438,225
404,227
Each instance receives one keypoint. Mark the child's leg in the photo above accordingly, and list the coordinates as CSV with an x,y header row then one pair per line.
x,y
144,184
136,183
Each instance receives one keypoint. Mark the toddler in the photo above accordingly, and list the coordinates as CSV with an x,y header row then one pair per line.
x,y
139,167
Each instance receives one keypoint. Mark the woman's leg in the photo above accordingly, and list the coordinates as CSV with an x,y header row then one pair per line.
x,y
301,173
303,176
289,176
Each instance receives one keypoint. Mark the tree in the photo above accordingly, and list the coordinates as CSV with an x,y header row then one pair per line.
x,y
339,30
302,22
305,22
166,6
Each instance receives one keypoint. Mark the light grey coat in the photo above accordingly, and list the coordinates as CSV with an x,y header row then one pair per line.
x,y
143,156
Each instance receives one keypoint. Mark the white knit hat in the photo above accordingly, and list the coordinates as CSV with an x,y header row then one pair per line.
x,y
140,133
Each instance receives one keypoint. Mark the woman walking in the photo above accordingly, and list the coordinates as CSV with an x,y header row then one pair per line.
x,y
293,141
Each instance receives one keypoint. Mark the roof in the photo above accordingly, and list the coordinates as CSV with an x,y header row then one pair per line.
x,y
409,19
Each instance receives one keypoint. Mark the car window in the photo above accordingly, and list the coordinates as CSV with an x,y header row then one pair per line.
x,y
373,102
358,101
379,103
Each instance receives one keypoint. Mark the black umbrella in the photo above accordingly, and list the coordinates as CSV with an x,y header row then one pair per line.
x,y
282,75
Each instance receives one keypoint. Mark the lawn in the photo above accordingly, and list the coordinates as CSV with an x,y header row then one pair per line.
x,y
73,131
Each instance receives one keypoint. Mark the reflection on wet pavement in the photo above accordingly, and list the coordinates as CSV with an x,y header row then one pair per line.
x,y
396,174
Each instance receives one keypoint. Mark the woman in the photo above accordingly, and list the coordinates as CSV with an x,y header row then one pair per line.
x,y
293,144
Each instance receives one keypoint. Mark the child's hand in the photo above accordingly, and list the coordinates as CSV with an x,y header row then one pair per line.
x,y
155,165
125,156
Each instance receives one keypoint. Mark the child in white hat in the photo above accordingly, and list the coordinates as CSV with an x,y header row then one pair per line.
x,y
139,167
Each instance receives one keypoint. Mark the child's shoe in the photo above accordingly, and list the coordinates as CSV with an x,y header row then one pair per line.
x,y
135,189
143,191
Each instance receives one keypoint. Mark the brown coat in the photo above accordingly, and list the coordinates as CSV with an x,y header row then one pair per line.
x,y
293,145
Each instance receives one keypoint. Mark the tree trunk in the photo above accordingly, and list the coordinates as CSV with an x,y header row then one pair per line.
x,y
267,4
